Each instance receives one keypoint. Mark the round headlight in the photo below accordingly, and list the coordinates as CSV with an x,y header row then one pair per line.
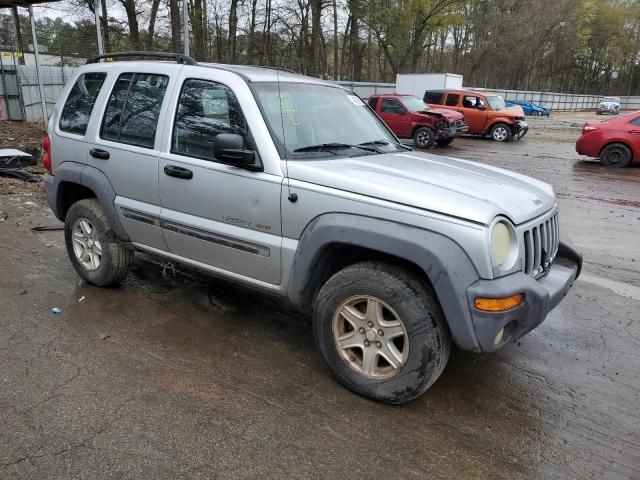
x,y
503,245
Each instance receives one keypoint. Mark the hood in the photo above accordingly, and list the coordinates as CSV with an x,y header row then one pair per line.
x,y
513,111
445,185
449,115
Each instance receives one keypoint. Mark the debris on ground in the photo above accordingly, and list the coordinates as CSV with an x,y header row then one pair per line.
x,y
13,161
25,137
45,228
3,216
56,310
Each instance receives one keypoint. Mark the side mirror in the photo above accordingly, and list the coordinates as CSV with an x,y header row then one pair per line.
x,y
229,148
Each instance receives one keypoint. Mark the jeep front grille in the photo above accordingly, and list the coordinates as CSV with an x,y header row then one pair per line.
x,y
541,245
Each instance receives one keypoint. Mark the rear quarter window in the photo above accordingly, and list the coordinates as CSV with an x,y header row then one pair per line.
x,y
433,97
452,99
373,102
79,105
635,121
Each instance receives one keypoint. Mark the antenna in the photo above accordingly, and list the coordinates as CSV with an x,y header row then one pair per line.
x,y
293,198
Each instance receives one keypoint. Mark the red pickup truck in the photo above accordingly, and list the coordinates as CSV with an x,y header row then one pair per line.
x,y
409,117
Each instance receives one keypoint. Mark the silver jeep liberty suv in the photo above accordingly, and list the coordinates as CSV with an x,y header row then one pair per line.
x,y
293,185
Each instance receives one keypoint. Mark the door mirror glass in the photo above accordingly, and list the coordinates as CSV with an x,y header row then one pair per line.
x,y
229,148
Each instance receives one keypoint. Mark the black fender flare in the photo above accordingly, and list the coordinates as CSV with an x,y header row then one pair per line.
x,y
445,264
91,178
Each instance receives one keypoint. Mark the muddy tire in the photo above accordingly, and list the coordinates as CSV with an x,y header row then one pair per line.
x,y
381,331
616,155
444,142
93,247
424,137
501,132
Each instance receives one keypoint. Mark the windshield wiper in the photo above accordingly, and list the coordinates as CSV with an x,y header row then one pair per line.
x,y
382,141
328,147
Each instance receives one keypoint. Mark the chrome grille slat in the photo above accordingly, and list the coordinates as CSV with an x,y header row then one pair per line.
x,y
541,241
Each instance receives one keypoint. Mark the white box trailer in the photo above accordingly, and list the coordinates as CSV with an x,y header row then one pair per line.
x,y
417,83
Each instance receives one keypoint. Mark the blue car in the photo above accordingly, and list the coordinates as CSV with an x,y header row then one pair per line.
x,y
530,108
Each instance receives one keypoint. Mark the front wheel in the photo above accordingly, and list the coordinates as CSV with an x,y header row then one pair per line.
x,y
616,155
381,331
444,142
501,132
424,137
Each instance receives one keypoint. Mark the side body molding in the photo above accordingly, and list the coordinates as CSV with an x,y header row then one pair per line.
x,y
91,178
443,262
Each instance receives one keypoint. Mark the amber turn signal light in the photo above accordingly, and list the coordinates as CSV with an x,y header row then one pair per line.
x,y
498,304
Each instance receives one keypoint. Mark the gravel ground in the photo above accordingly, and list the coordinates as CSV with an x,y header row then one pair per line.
x,y
174,375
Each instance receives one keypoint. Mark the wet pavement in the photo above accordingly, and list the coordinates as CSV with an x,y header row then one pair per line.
x,y
174,375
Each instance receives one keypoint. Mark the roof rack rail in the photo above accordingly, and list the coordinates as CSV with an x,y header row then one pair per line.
x,y
282,69
178,57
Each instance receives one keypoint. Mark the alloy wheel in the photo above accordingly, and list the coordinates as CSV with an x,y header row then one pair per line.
x,y
86,244
371,337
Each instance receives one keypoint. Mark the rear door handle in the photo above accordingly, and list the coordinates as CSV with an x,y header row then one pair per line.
x,y
178,172
99,154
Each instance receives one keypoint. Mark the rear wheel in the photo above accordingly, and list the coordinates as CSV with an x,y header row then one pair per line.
x,y
424,137
501,132
381,331
92,246
444,142
616,155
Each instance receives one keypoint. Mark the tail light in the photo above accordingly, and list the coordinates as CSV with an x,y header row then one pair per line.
x,y
46,157
587,129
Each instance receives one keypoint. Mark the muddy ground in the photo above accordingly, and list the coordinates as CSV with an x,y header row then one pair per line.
x,y
173,375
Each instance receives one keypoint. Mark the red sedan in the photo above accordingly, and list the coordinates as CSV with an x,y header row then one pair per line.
x,y
615,141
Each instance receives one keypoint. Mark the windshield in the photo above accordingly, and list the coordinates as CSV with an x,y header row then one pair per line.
x,y
496,102
320,121
414,104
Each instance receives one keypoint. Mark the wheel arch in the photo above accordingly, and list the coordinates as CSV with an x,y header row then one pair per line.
x,y
333,241
75,181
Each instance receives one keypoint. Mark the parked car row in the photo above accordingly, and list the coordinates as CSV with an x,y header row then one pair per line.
x,y
443,115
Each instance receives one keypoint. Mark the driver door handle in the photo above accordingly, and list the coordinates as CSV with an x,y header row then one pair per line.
x,y
178,172
99,154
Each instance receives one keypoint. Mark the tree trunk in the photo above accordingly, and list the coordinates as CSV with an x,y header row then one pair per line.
x,y
316,26
174,16
152,22
233,27
132,20
252,34
104,22
336,63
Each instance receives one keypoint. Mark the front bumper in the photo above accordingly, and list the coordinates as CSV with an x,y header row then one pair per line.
x,y
540,297
520,129
453,131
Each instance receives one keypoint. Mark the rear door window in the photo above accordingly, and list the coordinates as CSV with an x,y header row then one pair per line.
x,y
132,112
205,109
433,97
635,121
452,99
79,105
